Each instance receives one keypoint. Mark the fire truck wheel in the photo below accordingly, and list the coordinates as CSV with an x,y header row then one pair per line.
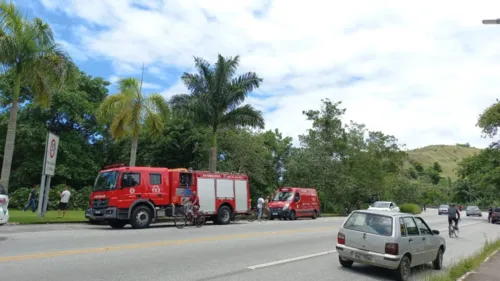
x,y
224,215
117,224
141,217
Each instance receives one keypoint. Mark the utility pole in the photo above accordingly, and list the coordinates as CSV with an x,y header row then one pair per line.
x,y
142,79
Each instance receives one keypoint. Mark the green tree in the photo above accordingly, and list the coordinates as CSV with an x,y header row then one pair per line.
x,y
129,112
489,120
28,50
71,116
216,97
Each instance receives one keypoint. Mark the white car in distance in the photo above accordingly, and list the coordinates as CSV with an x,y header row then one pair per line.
x,y
4,203
384,206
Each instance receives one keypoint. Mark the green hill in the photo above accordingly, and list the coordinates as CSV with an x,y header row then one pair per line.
x,y
448,156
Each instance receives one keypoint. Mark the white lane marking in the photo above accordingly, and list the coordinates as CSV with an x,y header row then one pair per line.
x,y
319,254
290,260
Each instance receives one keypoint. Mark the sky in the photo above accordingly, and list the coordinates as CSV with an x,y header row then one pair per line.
x,y
421,71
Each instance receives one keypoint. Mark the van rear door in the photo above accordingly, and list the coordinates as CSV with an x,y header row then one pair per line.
x,y
368,231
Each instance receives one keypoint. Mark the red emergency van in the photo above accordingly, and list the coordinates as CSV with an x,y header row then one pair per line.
x,y
294,202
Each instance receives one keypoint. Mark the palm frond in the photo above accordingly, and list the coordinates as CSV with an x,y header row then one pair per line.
x,y
130,86
11,19
111,106
193,107
155,123
158,104
239,88
245,115
121,124
229,65
195,83
8,50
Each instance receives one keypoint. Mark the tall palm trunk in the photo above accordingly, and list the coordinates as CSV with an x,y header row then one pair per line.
x,y
213,152
133,150
11,136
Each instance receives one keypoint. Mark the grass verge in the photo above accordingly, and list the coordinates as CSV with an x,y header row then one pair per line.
x,y
331,215
28,217
468,264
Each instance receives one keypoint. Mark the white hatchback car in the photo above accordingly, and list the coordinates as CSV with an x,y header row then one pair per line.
x,y
396,241
4,203
384,206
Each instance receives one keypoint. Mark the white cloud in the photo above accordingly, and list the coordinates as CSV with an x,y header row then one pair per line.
x,y
429,68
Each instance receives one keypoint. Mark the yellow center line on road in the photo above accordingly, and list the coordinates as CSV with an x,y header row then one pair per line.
x,y
159,243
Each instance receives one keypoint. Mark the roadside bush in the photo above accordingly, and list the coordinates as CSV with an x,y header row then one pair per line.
x,y
410,208
79,200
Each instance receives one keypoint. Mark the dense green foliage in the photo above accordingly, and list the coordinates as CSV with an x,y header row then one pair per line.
x,y
345,162
410,208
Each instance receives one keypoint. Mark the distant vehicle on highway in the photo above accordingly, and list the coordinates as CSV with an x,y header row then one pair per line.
x,y
473,211
396,241
384,206
443,209
294,202
495,216
4,204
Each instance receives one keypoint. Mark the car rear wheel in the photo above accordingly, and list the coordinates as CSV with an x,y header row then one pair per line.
x,y
404,269
438,262
344,262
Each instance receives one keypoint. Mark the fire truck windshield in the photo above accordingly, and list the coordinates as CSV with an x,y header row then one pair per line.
x,y
283,196
106,181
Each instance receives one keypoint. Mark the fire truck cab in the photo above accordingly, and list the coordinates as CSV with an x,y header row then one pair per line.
x,y
141,195
294,202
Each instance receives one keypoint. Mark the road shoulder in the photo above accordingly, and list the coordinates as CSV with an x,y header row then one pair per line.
x,y
488,270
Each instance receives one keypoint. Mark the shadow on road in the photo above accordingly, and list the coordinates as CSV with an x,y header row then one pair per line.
x,y
386,274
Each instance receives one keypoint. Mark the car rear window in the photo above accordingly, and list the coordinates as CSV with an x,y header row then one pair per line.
x,y
370,223
443,206
497,210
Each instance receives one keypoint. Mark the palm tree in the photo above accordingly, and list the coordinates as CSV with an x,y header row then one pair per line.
x,y
216,98
130,112
28,50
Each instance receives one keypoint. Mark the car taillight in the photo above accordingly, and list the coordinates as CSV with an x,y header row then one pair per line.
x,y
392,249
341,238
3,201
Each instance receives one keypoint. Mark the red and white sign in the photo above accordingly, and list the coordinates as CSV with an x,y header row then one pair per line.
x,y
51,154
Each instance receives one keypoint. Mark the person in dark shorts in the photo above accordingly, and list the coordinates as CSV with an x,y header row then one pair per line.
x,y
63,204
452,215
31,200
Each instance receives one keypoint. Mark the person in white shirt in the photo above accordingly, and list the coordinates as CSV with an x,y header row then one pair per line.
x,y
63,204
260,204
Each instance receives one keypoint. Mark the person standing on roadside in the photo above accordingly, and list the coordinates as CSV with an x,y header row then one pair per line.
x,y
63,204
260,205
31,200
266,203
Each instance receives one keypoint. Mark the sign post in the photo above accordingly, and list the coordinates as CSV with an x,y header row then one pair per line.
x,y
48,170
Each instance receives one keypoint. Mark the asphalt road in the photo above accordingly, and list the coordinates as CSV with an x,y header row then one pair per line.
x,y
273,250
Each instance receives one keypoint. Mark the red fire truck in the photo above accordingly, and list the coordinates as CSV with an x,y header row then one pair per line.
x,y
140,195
